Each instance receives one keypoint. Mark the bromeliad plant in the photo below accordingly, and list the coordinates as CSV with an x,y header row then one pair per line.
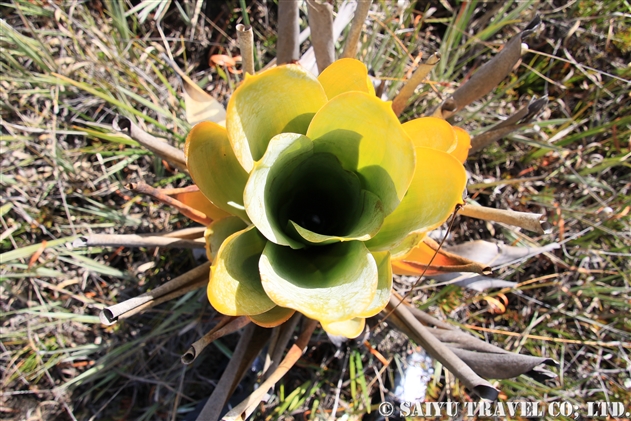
x,y
312,193
323,182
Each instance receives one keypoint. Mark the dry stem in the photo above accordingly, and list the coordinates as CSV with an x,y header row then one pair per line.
x,y
245,408
110,315
155,145
185,210
215,333
133,240
201,282
361,13
321,17
401,100
245,38
252,341
288,46
529,221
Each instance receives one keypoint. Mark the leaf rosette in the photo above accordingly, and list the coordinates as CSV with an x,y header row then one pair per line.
x,y
327,192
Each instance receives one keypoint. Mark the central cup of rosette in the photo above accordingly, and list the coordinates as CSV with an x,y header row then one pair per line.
x,y
298,198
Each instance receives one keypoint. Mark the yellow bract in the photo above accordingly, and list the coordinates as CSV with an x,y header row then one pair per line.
x,y
280,100
346,75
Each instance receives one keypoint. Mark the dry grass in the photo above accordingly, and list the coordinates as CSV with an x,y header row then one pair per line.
x,y
63,172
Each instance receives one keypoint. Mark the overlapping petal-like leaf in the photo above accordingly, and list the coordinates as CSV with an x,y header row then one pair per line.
x,y
349,328
235,283
365,135
346,75
328,283
439,180
280,100
272,318
461,152
214,167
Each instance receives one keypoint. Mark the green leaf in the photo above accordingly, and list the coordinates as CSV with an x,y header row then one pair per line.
x,y
439,180
27,251
384,285
349,328
284,153
280,100
215,169
219,230
235,284
272,318
329,283
365,135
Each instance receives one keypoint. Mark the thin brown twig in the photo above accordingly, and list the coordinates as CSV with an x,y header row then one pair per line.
x,y
155,145
215,333
188,189
400,101
526,220
110,315
361,13
185,210
133,240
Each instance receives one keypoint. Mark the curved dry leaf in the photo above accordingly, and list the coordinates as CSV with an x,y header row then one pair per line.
x,y
512,123
200,106
499,254
223,60
489,75
494,255
502,365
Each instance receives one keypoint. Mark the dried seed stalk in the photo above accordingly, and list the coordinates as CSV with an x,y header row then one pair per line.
x,y
185,210
361,13
525,220
245,408
277,349
252,341
201,282
217,332
321,17
155,145
245,38
186,233
133,240
489,75
288,47
404,95
109,315
512,123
